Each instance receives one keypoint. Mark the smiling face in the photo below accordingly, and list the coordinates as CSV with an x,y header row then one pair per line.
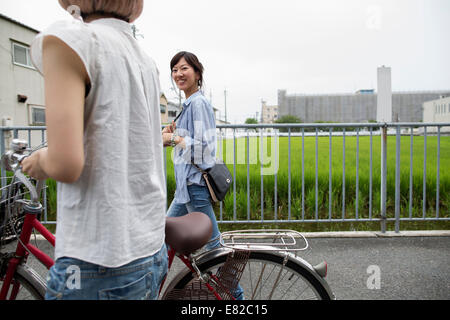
x,y
185,77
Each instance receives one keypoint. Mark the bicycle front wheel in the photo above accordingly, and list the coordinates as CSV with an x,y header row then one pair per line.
x,y
26,285
265,276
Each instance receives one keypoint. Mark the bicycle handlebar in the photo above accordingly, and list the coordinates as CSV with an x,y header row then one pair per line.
x,y
11,161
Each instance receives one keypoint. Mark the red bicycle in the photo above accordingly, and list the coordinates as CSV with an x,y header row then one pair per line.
x,y
263,263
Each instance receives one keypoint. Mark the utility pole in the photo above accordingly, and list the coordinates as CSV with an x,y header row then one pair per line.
x,y
225,93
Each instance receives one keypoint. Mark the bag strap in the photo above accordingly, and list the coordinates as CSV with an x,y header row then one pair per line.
x,y
208,184
179,115
198,168
210,189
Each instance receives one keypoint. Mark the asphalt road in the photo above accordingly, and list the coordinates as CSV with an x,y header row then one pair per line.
x,y
409,268
375,268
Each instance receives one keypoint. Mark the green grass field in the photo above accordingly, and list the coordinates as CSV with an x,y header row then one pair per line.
x,y
337,177
323,182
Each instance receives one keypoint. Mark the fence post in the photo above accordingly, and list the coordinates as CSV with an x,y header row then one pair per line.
x,y
383,177
397,180
2,151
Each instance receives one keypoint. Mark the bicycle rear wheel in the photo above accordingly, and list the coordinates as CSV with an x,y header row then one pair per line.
x,y
265,276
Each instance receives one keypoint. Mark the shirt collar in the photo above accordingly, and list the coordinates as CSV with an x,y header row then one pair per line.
x,y
189,100
114,23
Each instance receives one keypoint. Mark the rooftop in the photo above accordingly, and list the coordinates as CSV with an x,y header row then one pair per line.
x,y
2,16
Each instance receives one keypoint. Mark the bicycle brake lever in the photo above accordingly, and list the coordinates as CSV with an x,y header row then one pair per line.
x,y
10,160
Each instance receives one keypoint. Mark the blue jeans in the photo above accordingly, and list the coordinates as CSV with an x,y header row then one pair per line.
x,y
73,279
201,202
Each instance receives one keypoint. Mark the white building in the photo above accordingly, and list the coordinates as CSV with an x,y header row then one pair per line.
x,y
174,109
21,86
269,114
437,111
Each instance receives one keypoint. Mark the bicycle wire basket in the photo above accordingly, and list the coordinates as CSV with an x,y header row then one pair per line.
x,y
11,211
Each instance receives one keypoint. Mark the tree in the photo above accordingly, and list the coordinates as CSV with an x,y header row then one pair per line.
x,y
251,121
289,119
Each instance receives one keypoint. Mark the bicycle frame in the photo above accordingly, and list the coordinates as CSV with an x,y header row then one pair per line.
x,y
24,247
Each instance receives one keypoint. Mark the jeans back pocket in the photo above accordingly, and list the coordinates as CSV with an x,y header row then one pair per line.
x,y
140,289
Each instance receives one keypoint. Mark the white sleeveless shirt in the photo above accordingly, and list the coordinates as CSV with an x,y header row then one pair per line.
x,y
115,213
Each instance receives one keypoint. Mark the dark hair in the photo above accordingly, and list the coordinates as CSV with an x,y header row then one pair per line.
x,y
192,60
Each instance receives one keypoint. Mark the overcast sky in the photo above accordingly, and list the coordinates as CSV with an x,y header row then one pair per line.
x,y
254,48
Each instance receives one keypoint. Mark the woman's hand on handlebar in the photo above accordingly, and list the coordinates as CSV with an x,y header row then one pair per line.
x,y
31,165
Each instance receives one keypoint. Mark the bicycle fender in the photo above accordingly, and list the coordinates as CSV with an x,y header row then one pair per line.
x,y
33,278
314,270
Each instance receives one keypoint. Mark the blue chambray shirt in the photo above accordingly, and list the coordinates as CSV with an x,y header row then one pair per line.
x,y
198,127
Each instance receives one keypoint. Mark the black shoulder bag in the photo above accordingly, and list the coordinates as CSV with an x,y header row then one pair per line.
x,y
218,179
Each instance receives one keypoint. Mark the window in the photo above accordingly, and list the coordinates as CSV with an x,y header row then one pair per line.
x,y
37,115
172,114
21,55
162,108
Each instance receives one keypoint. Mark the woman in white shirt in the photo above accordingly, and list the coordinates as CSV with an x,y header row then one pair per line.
x,y
105,150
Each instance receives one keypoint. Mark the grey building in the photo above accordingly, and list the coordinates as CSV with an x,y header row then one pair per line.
x,y
354,107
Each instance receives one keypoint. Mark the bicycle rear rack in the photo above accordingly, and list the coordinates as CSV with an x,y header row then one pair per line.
x,y
263,240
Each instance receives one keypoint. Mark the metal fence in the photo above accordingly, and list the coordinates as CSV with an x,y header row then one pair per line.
x,y
301,173
35,136
351,133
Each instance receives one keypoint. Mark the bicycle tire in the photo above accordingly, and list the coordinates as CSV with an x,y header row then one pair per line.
x,y
293,277
31,287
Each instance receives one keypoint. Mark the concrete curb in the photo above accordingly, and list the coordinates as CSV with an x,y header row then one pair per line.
x,y
377,234
359,234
